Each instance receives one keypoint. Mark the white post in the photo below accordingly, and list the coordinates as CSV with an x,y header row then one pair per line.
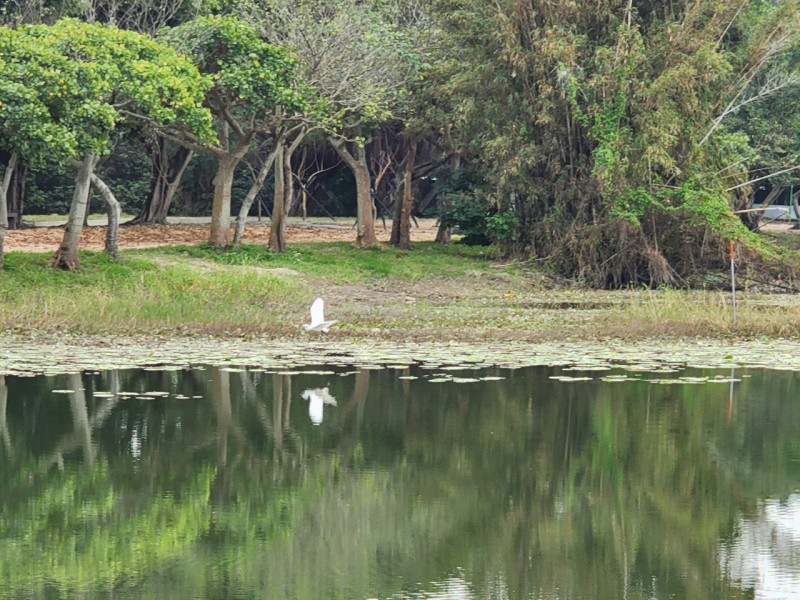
x,y
733,283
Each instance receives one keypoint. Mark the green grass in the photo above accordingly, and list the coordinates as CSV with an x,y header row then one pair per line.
x,y
137,294
342,262
789,241
680,313
434,292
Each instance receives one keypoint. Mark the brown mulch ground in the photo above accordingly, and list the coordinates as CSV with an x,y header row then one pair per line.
x,y
46,239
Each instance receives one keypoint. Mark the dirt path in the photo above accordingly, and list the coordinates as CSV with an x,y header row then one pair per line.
x,y
46,239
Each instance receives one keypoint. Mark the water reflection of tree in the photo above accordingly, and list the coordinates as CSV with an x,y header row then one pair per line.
x,y
3,418
596,490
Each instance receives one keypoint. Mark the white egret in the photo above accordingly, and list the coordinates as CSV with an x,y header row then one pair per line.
x,y
317,399
318,322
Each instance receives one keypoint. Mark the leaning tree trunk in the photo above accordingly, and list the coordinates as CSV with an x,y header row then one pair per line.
x,y
66,257
365,223
114,211
241,220
277,230
3,206
168,170
401,225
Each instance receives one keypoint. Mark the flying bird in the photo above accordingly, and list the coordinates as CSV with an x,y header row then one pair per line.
x,y
317,399
318,322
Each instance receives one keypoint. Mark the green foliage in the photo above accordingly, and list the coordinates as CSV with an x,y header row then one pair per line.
x,y
503,227
246,72
65,87
710,208
132,70
597,122
49,104
469,216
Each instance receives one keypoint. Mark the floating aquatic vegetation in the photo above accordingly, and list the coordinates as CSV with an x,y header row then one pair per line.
x,y
24,357
674,381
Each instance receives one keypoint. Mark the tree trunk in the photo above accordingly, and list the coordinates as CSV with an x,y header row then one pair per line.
x,y
114,211
15,193
277,230
223,182
4,185
365,223
365,230
795,201
80,417
241,220
401,225
165,180
221,210
288,182
66,257
443,233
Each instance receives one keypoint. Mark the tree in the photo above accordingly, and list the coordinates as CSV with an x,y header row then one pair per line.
x,y
358,61
169,164
401,222
45,113
251,80
600,135
124,77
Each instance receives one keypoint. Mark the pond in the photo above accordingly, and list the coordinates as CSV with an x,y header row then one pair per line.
x,y
400,483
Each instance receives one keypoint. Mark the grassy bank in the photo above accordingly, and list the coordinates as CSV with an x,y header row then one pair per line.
x,y
431,293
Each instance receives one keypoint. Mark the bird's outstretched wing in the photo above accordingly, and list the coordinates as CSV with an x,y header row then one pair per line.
x,y
317,312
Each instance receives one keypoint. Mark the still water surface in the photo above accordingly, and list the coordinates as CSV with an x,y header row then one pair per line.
x,y
213,483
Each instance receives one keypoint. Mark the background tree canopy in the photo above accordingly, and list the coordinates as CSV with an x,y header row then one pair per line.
x,y
612,142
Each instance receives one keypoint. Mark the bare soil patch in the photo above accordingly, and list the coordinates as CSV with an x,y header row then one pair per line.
x,y
46,239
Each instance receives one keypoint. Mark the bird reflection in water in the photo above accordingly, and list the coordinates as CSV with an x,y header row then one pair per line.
x,y
317,399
